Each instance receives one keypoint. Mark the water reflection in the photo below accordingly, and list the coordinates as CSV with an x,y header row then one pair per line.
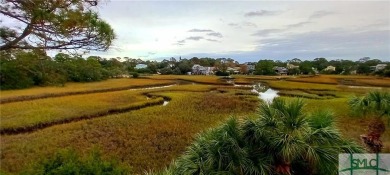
x,y
265,93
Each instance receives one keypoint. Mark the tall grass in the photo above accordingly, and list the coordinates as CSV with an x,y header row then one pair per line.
x,y
149,138
145,139
27,114
79,88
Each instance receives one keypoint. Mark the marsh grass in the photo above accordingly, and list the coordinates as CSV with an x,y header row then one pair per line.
x,y
30,114
288,85
145,139
78,88
150,138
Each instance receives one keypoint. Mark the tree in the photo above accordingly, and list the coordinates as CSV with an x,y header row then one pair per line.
x,y
320,63
306,67
374,103
265,67
244,69
54,24
281,140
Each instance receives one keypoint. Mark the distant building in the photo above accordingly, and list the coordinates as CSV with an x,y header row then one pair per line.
x,y
280,70
380,67
291,66
330,68
234,70
141,66
200,70
251,66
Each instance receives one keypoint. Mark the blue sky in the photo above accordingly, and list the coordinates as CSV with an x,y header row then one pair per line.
x,y
248,31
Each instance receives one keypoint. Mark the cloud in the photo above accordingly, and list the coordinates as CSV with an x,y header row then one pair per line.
x,y
260,13
180,42
215,34
194,38
212,40
233,24
239,25
320,14
200,30
330,43
300,24
249,24
266,32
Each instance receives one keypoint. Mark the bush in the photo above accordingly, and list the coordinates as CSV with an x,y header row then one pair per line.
x,y
220,73
68,162
135,75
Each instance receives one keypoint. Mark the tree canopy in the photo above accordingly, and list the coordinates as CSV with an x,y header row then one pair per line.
x,y
53,24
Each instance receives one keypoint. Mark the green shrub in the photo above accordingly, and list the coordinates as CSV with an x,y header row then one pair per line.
x,y
220,73
68,162
135,75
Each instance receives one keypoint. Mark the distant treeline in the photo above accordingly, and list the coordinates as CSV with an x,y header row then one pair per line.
x,y
22,69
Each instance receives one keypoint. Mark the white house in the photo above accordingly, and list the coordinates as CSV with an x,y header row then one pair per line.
x,y
379,67
330,68
200,70
291,66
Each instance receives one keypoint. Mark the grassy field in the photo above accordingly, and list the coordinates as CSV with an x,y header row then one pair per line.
x,y
79,88
151,137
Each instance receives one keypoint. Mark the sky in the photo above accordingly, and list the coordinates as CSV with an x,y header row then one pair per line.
x,y
248,30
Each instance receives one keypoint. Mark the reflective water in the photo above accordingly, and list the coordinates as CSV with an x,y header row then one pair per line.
x,y
265,93
153,87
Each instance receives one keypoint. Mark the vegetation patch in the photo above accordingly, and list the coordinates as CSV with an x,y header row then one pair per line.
x,y
78,88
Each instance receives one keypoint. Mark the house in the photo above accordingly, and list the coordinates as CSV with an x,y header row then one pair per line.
x,y
197,69
380,67
233,70
280,70
330,69
200,70
141,66
251,66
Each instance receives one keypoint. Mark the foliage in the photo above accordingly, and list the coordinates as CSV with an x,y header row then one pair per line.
x,y
135,75
220,73
281,140
31,68
54,24
265,67
67,161
21,69
377,103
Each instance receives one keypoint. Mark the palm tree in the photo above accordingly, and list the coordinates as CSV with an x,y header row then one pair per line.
x,y
374,103
282,140
295,142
